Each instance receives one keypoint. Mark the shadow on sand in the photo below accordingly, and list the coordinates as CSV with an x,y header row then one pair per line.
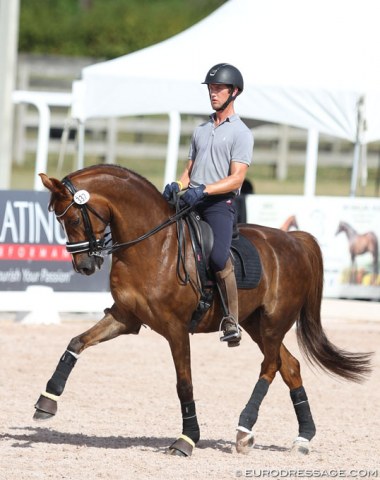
x,y
36,435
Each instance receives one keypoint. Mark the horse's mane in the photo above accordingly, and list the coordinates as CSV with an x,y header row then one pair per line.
x,y
117,171
346,227
113,170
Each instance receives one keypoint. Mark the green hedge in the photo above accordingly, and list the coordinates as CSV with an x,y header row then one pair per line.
x,y
104,28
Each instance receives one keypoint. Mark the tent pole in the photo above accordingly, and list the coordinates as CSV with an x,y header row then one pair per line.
x,y
9,28
283,153
42,144
357,149
173,147
80,145
111,140
355,168
364,168
311,162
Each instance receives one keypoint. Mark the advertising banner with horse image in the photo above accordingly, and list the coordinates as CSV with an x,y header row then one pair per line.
x,y
347,230
155,282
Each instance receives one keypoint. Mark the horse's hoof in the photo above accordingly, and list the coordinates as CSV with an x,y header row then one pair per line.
x,y
39,415
175,452
182,447
45,408
244,442
301,446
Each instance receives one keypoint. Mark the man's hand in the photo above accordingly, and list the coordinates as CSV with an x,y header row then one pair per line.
x,y
169,190
194,195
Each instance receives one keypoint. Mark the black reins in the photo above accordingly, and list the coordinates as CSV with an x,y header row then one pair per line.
x,y
173,219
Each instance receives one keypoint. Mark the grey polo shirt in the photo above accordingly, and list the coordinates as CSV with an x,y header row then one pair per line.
x,y
214,148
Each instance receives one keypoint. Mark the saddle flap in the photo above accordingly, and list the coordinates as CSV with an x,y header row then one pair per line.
x,y
203,232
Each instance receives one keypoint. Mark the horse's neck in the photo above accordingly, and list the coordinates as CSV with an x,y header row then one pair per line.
x,y
350,232
291,222
135,205
135,211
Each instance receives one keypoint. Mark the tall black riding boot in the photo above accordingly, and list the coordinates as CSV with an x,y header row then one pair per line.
x,y
227,286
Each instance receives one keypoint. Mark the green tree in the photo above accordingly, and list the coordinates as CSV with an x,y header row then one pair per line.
x,y
104,28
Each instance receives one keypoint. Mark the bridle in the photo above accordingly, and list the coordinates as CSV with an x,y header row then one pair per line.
x,y
94,246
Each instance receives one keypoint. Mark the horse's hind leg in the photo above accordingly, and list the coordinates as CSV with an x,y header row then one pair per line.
x,y
267,334
291,374
248,417
276,357
106,329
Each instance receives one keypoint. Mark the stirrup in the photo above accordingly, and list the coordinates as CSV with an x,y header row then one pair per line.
x,y
231,331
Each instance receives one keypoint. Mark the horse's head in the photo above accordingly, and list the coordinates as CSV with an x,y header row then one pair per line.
x,y
84,217
290,222
341,228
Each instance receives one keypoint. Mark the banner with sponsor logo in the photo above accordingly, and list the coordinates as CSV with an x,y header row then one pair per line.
x,y
32,247
348,232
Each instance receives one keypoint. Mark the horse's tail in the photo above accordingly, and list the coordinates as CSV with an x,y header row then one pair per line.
x,y
311,336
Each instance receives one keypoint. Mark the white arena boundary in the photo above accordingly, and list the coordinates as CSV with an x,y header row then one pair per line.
x,y
81,302
342,310
44,306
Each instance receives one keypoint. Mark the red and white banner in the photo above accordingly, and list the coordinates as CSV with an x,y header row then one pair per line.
x,y
31,252
33,247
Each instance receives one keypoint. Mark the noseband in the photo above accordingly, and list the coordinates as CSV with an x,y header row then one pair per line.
x,y
93,246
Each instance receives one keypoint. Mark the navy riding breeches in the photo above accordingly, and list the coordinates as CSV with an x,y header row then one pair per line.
x,y
219,212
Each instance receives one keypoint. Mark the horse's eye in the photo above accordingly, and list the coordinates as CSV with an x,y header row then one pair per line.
x,y
74,221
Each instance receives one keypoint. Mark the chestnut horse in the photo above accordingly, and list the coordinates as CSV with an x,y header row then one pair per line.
x,y
147,289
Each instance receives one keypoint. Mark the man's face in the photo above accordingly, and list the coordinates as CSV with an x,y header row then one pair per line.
x,y
219,94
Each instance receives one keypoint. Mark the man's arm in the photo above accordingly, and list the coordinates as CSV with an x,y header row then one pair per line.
x,y
233,182
185,177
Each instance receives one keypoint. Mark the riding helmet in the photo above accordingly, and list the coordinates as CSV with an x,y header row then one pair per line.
x,y
226,74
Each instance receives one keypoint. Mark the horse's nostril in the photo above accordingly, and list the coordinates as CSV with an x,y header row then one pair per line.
x,y
87,271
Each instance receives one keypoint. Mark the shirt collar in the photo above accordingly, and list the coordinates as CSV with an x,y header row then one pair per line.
x,y
231,118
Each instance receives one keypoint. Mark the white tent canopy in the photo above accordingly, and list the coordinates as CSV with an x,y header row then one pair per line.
x,y
307,64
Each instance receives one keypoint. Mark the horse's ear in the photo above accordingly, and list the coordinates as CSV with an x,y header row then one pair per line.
x,y
54,185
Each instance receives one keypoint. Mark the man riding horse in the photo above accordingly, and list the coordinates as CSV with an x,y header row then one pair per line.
x,y
144,236
219,157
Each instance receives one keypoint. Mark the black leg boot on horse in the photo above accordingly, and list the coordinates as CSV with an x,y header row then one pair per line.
x,y
227,287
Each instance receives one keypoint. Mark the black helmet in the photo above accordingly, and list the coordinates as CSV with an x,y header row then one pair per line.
x,y
226,74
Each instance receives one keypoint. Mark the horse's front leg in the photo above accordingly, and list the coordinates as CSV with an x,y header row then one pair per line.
x,y
110,326
180,348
